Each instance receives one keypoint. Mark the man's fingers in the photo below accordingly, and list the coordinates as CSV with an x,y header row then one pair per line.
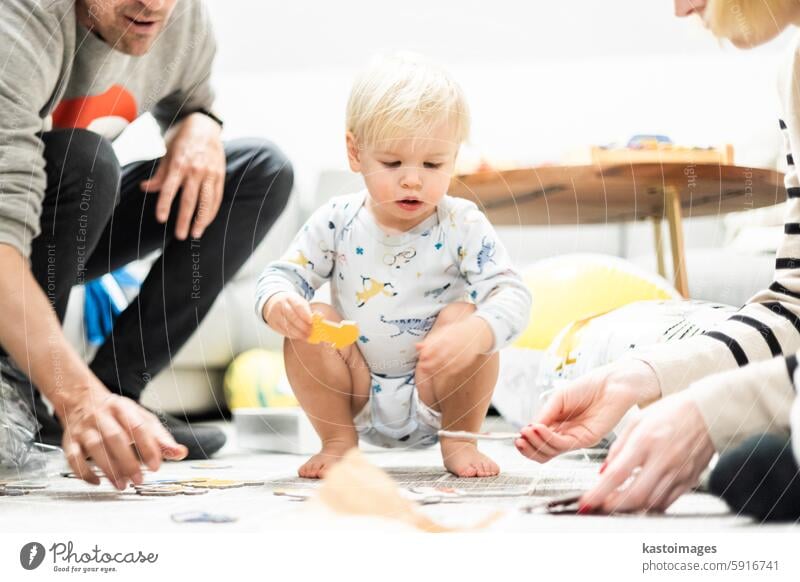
x,y
206,207
170,449
147,446
155,182
77,462
92,444
117,443
169,189
138,428
190,193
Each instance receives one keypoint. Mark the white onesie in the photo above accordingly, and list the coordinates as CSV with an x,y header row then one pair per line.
x,y
393,286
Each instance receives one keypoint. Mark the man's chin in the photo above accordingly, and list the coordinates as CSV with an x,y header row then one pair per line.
x,y
135,47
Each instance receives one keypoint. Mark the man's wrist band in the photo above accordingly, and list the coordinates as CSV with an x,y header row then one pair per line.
x,y
208,113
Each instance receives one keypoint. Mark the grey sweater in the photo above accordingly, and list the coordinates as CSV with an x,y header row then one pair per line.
x,y
56,74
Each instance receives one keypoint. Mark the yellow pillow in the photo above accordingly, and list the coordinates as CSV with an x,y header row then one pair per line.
x,y
581,286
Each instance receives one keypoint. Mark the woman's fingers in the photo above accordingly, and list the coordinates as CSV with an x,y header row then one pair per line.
x,y
619,444
664,503
525,448
554,409
653,475
614,476
560,442
530,434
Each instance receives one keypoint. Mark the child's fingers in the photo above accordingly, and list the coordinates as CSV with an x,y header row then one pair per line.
x,y
297,329
302,309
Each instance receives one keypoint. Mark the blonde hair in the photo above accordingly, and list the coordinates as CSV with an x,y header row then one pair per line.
x,y
750,22
405,95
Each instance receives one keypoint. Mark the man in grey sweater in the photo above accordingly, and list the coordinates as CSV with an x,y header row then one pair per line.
x,y
73,73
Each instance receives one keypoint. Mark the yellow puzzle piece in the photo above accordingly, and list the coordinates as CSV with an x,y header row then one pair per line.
x,y
339,335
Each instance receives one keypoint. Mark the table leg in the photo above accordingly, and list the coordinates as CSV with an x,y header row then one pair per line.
x,y
659,240
672,202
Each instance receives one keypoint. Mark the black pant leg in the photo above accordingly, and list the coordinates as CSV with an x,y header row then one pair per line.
x,y
760,478
82,187
189,275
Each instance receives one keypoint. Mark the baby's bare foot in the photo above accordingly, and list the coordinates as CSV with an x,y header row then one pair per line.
x,y
318,465
463,459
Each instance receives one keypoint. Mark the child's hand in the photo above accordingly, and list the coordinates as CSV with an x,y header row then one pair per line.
x,y
289,315
452,348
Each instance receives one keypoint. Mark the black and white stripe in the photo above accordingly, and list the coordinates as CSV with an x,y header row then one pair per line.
x,y
754,332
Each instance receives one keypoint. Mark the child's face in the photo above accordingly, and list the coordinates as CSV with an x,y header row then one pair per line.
x,y
406,177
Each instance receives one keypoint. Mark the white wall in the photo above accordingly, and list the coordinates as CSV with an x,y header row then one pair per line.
x,y
541,77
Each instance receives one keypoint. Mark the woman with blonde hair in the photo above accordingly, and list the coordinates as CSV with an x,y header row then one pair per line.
x,y
729,390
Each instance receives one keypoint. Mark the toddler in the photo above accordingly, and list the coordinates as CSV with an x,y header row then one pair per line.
x,y
422,274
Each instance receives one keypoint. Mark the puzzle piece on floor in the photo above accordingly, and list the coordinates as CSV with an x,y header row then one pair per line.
x,y
201,517
215,483
339,335
210,465
488,436
168,490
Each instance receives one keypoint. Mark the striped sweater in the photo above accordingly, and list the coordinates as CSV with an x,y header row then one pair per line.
x,y
742,374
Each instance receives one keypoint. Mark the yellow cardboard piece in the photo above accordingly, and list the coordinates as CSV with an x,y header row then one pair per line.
x,y
339,335
354,486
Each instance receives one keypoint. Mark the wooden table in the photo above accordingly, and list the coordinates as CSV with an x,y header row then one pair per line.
x,y
561,195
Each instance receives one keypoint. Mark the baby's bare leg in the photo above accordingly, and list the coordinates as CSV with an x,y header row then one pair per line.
x,y
463,400
332,386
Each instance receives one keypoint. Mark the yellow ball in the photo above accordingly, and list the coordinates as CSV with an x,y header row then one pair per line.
x,y
257,379
574,287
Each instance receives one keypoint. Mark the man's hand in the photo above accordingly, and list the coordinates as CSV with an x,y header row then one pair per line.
x,y
116,434
582,413
195,164
452,348
288,314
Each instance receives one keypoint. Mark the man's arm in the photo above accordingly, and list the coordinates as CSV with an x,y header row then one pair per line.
x,y
97,424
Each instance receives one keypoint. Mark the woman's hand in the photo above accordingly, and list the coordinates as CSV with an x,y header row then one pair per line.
x,y
657,457
582,413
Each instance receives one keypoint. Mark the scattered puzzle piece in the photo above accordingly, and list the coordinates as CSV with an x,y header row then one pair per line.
x,y
200,517
210,465
216,483
339,335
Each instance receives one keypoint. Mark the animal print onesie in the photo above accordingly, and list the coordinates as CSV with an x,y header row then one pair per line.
x,y
393,286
